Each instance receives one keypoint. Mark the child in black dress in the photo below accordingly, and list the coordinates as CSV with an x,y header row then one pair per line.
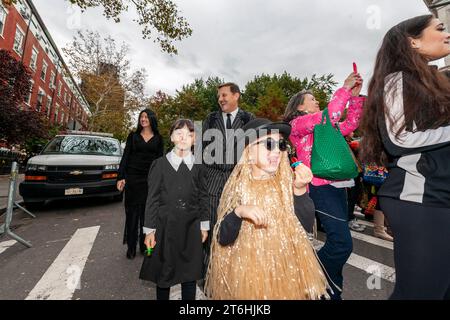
x,y
176,221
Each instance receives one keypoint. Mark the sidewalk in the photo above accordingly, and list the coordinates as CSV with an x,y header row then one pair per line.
x,y
4,189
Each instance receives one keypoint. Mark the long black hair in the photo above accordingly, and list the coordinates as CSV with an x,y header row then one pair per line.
x,y
426,91
151,118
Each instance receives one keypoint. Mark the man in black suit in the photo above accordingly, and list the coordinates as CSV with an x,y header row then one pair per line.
x,y
219,159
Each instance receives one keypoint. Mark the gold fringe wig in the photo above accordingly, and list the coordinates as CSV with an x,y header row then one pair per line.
x,y
273,263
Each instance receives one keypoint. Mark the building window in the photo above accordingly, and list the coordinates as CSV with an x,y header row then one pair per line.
x,y
3,15
59,89
28,97
62,117
56,113
48,106
34,56
52,79
44,71
18,41
40,99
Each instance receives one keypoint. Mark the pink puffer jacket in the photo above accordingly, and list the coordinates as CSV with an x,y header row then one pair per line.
x,y
303,127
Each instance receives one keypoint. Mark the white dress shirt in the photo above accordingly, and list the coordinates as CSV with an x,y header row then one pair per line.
x,y
233,117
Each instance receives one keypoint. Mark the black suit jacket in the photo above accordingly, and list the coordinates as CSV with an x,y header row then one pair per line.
x,y
219,171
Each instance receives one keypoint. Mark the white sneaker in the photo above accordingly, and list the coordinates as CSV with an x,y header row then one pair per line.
x,y
355,226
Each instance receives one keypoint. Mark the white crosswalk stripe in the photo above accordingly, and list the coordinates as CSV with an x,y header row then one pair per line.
x,y
366,223
373,267
63,277
367,265
6,244
372,240
60,280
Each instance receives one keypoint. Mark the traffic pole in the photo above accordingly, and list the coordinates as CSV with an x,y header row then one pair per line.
x,y
5,228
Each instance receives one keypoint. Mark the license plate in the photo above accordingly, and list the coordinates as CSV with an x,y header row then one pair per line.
x,y
73,191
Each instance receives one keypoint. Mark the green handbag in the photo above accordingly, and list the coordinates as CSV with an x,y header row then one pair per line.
x,y
331,156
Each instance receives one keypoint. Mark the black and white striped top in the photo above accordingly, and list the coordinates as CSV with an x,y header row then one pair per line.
x,y
420,168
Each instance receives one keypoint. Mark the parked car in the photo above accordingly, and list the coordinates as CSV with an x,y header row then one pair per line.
x,y
73,165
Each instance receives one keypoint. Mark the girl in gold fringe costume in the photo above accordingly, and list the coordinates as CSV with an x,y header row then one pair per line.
x,y
260,251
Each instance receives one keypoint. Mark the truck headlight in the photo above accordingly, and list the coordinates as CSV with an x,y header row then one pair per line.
x,y
36,167
112,167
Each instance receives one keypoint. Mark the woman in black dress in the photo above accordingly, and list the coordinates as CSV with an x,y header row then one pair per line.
x,y
176,217
142,148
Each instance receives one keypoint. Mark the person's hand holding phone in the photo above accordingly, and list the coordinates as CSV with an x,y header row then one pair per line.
x,y
356,89
352,80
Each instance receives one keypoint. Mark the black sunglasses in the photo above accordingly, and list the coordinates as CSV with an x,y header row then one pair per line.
x,y
271,144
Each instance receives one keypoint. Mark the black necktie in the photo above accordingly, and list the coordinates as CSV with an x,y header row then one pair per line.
x,y
229,121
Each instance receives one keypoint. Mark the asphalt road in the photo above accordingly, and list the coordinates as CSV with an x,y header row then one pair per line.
x,y
84,237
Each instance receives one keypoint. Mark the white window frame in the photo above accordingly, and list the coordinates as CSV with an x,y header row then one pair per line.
x,y
44,67
60,88
55,115
52,79
41,95
28,99
19,30
48,106
34,53
3,15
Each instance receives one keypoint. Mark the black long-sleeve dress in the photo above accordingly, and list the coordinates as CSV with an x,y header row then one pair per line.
x,y
177,203
135,164
134,167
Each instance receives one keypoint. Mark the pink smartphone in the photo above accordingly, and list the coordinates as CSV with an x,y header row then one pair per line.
x,y
355,68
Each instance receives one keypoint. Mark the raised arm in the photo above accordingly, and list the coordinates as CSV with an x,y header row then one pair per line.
x,y
302,126
355,109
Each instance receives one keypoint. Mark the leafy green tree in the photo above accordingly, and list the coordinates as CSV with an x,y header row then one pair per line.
x,y
34,144
265,96
159,19
272,104
17,123
268,95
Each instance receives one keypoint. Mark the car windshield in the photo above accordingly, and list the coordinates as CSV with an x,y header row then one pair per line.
x,y
83,145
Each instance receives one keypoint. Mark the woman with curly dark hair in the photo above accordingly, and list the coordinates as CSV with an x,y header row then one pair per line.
x,y
406,126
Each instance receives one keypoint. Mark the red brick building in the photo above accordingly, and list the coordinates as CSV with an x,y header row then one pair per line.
x,y
54,91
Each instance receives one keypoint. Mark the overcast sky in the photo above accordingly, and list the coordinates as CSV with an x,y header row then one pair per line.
x,y
238,39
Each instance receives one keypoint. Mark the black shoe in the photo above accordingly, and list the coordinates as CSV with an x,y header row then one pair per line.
x,y
131,253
